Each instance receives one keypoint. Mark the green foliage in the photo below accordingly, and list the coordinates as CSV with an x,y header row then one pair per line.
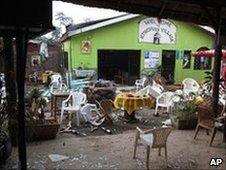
x,y
34,94
184,109
208,82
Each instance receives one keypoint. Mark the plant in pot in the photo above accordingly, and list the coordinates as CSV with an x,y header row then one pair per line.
x,y
5,143
184,113
38,126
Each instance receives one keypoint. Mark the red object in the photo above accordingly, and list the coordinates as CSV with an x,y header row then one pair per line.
x,y
223,74
208,53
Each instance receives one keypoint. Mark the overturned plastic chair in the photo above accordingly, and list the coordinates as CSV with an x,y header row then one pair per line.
x,y
154,138
140,83
91,114
73,104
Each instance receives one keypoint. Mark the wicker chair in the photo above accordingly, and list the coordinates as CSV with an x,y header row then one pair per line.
x,y
154,138
106,107
207,121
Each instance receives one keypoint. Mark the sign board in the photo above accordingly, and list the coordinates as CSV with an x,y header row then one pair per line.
x,y
35,60
86,47
151,59
152,30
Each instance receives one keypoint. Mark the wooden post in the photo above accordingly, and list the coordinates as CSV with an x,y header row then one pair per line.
x,y
11,92
217,67
21,46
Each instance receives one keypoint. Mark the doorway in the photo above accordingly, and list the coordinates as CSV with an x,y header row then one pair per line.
x,y
121,66
168,65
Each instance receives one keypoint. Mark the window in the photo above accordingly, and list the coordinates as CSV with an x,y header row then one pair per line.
x,y
65,60
186,60
202,62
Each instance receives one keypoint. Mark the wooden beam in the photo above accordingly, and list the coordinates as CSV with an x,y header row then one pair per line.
x,y
210,16
162,8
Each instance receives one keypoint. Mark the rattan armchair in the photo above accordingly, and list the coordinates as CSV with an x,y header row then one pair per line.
x,y
207,120
106,108
154,138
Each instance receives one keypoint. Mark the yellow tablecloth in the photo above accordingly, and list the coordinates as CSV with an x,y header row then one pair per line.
x,y
131,102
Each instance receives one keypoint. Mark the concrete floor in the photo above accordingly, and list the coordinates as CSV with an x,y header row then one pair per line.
x,y
115,152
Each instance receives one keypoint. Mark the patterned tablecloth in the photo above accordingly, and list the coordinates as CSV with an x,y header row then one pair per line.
x,y
131,102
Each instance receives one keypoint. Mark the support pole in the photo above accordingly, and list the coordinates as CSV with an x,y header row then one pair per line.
x,y
217,67
21,46
11,92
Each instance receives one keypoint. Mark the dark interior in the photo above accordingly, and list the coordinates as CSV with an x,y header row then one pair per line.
x,y
168,65
116,65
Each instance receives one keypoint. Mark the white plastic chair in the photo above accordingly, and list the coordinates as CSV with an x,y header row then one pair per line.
x,y
73,104
91,114
190,86
165,101
56,83
140,83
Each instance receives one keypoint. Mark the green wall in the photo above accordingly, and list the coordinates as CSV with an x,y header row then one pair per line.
x,y
124,35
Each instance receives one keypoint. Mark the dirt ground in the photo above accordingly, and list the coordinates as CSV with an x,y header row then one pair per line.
x,y
98,150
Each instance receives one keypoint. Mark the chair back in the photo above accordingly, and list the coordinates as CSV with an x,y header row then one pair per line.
x,y
78,98
205,113
107,106
144,90
160,136
56,78
190,84
55,86
165,98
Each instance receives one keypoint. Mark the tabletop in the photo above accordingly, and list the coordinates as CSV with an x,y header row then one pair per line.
x,y
131,102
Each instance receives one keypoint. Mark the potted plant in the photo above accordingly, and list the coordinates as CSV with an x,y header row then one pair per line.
x,y
5,143
38,127
184,113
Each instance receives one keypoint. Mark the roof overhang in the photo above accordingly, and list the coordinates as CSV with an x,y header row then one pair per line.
x,y
34,17
101,24
201,12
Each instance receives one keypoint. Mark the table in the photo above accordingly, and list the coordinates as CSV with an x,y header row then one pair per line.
x,y
54,97
131,102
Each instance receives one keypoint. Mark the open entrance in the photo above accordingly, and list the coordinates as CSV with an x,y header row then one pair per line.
x,y
168,65
121,66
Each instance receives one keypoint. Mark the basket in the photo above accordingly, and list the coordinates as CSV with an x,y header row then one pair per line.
x,y
45,131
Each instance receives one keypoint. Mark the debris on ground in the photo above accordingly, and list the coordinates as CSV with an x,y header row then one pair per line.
x,y
56,157
73,131
106,130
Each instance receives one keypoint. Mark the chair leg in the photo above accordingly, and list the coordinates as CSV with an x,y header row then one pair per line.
x,y
196,130
61,115
147,157
207,131
214,131
135,144
156,109
159,151
167,110
77,118
166,153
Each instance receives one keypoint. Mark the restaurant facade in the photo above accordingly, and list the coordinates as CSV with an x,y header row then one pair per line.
x,y
130,44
